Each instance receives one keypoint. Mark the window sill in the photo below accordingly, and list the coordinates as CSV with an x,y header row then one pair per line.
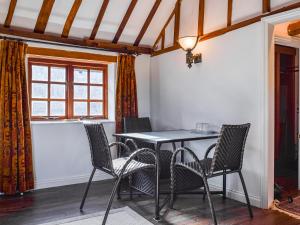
x,y
41,122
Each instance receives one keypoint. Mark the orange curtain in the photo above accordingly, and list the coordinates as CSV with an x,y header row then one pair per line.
x,y
16,170
126,95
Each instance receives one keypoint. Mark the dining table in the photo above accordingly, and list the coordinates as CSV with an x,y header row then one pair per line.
x,y
167,136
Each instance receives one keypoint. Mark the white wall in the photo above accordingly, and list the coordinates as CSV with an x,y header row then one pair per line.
x,y
224,88
61,154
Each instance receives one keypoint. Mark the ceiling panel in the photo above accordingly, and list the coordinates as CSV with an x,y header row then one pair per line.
x,y
26,13
3,10
189,18
245,9
156,25
136,21
215,15
58,16
113,16
85,19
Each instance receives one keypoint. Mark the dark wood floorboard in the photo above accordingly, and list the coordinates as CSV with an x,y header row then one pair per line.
x,y
63,202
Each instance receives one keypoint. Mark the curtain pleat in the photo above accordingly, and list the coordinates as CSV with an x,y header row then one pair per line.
x,y
126,93
16,169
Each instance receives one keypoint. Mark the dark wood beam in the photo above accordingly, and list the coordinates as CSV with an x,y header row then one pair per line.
x,y
201,17
294,28
124,21
124,47
49,38
229,13
177,22
99,19
43,17
266,6
50,52
236,26
147,22
70,18
10,13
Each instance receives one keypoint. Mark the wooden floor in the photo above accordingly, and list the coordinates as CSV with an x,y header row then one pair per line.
x,y
63,202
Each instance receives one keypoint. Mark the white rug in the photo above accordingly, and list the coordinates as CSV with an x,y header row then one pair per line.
x,y
121,216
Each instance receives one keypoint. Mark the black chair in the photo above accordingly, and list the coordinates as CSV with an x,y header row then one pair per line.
x,y
143,181
227,159
119,168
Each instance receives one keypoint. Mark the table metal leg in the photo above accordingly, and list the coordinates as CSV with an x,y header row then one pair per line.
x,y
174,146
182,153
157,208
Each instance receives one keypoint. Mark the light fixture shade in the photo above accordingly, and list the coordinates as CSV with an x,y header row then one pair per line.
x,y
188,42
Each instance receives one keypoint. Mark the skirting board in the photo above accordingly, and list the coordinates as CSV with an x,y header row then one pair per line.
x,y
41,184
238,196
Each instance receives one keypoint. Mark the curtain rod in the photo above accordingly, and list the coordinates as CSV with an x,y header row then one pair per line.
x,y
3,37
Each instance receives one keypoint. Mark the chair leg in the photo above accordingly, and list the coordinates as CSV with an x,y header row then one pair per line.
x,y
212,210
87,189
130,188
119,191
224,185
111,198
246,194
172,188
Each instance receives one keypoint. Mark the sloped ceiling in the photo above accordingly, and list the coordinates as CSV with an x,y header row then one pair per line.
x,y
27,11
215,17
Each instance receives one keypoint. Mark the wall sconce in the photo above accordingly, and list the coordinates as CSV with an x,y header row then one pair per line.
x,y
188,43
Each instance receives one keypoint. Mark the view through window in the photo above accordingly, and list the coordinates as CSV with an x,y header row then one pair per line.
x,y
67,90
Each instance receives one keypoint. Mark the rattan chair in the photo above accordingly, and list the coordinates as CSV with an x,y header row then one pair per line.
x,y
118,168
143,181
227,159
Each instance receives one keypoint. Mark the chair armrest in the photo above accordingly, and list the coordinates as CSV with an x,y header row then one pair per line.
x,y
136,153
131,141
208,150
185,149
122,145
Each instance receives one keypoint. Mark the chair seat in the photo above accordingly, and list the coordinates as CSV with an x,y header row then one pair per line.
x,y
195,167
132,167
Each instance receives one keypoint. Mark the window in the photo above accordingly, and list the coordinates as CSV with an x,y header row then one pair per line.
x,y
67,90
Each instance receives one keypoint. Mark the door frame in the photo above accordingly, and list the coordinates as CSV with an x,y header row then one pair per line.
x,y
268,102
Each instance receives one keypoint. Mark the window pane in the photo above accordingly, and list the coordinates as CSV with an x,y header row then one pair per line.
x,y
39,108
96,93
39,73
58,74
57,108
80,92
96,108
58,91
96,77
80,76
80,108
39,90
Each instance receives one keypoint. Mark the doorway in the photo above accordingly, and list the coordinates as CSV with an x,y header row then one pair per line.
x,y
286,122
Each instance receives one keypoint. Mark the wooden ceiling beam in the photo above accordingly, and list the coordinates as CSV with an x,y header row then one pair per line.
x,y
43,17
229,13
266,6
70,18
201,17
294,28
124,21
99,19
49,38
147,22
10,13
